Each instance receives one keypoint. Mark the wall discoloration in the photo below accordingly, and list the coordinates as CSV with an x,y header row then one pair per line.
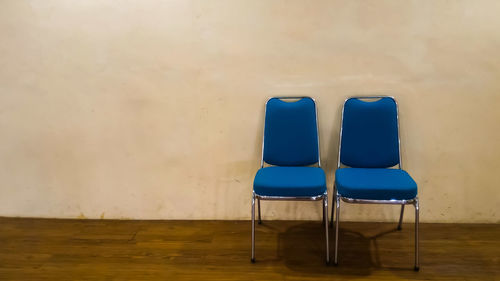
x,y
154,110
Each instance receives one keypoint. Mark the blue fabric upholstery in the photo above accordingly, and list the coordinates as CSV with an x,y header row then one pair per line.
x,y
370,134
290,181
290,134
375,184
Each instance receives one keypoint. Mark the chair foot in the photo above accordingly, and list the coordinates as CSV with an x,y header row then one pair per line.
x,y
416,268
399,227
253,260
331,223
260,222
327,262
336,263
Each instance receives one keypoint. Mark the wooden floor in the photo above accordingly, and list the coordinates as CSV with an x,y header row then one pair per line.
x,y
40,249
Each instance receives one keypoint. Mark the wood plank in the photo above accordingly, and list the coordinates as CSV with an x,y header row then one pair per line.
x,y
51,249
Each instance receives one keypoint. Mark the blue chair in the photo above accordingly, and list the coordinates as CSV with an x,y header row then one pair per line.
x,y
369,152
291,146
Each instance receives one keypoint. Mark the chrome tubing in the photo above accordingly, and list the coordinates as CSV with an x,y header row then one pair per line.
x,y
337,220
253,227
417,210
325,215
401,217
333,203
258,203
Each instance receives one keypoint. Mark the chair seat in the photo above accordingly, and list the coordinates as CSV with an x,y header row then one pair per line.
x,y
375,184
290,181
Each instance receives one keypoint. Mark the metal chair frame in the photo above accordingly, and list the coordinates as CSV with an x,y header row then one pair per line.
x,y
337,197
323,197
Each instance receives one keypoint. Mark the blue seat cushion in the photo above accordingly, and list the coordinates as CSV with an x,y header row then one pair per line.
x,y
375,184
290,181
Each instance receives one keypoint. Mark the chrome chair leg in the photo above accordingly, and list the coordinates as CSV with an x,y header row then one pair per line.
x,y
417,207
258,203
333,206
253,228
337,219
325,222
401,217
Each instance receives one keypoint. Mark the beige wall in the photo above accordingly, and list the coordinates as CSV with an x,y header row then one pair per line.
x,y
154,109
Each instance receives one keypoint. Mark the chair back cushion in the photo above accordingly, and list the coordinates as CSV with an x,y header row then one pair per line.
x,y
370,133
290,133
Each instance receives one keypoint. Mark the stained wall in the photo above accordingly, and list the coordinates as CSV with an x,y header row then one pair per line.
x,y
154,109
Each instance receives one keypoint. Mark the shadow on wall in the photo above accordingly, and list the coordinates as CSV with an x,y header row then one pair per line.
x,y
237,178
332,145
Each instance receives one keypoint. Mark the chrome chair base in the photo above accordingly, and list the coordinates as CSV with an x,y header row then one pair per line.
x,y
323,197
414,202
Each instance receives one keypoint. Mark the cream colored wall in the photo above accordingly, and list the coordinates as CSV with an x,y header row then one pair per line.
x,y
154,109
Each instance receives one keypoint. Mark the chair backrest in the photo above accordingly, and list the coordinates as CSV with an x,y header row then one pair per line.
x,y
291,132
370,133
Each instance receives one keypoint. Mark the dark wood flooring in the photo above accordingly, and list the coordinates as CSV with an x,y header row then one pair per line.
x,y
49,249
